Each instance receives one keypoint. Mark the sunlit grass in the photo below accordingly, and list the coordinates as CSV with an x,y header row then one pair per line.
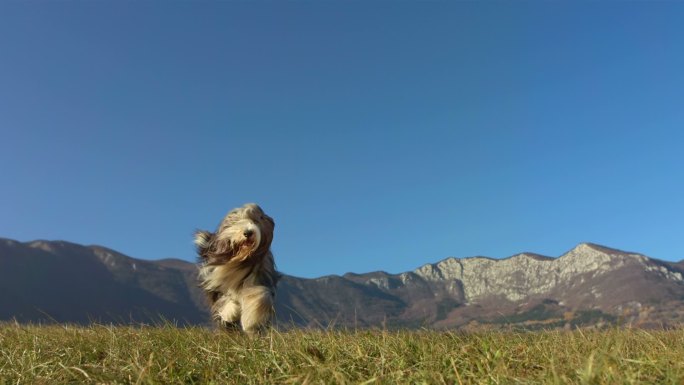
x,y
169,355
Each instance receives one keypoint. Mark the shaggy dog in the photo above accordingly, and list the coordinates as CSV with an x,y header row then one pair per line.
x,y
237,271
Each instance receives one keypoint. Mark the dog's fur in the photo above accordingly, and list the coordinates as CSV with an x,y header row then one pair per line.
x,y
237,270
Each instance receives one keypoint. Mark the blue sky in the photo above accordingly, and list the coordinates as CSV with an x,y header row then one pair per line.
x,y
379,135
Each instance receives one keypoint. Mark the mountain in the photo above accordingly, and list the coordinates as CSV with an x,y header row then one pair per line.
x,y
66,282
588,285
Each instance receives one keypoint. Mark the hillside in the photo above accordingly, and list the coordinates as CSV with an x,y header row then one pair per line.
x,y
588,285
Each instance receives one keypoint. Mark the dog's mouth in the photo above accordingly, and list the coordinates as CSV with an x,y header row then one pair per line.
x,y
247,244
244,250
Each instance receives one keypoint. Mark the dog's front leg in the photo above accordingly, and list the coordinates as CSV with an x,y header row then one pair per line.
x,y
257,309
227,311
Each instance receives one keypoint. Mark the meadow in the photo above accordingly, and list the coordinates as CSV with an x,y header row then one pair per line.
x,y
98,354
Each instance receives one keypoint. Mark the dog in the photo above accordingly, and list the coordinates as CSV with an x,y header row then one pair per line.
x,y
237,270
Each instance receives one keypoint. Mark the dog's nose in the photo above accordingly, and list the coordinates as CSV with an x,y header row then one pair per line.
x,y
248,233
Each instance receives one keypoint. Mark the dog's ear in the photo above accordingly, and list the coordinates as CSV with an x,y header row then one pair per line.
x,y
203,240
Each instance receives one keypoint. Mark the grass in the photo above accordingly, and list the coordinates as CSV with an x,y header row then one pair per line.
x,y
168,355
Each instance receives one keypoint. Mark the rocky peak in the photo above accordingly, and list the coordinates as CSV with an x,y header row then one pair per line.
x,y
43,245
525,274
534,256
597,259
592,248
56,246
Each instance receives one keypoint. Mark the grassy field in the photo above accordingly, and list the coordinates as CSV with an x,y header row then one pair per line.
x,y
168,355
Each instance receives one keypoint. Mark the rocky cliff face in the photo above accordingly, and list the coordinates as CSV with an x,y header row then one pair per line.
x,y
524,275
588,285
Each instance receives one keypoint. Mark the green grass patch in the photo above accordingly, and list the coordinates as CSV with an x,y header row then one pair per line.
x,y
169,355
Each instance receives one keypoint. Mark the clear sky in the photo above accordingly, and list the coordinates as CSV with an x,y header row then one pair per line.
x,y
379,135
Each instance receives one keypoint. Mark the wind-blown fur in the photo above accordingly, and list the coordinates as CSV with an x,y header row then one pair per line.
x,y
237,270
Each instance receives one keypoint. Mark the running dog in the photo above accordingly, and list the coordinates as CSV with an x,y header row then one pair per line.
x,y
237,271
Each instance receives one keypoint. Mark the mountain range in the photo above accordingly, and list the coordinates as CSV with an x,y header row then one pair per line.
x,y
590,285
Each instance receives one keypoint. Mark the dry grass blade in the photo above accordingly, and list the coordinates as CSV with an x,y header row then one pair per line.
x,y
169,355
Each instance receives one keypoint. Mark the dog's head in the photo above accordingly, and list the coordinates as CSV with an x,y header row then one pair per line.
x,y
245,232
